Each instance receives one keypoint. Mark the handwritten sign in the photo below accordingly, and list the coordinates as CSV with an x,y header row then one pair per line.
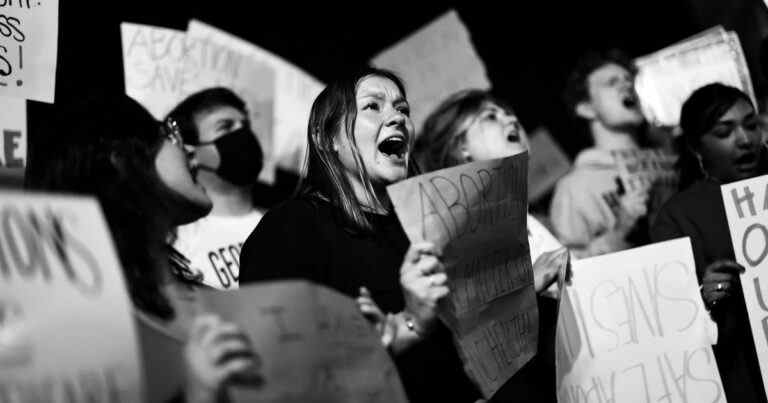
x,y
153,65
745,207
313,344
66,330
29,34
292,91
547,165
666,78
633,328
13,140
435,62
476,214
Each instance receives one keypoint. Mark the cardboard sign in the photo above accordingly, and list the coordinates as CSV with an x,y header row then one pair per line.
x,y
29,35
745,208
666,78
476,214
66,329
13,141
547,165
435,62
313,343
633,328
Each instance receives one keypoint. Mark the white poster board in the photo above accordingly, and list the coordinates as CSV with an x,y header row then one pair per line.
x,y
29,35
666,78
66,328
435,62
13,140
745,207
153,66
633,328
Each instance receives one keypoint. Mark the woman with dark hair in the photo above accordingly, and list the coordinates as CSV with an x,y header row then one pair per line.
x,y
473,125
721,143
340,231
111,148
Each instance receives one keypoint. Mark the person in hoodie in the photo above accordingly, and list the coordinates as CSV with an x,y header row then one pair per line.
x,y
591,213
214,124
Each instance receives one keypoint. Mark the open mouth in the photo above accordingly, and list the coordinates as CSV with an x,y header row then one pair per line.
x,y
629,101
394,147
513,136
746,162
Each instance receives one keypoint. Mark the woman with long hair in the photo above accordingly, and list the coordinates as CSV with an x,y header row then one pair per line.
x,y
341,231
112,149
721,143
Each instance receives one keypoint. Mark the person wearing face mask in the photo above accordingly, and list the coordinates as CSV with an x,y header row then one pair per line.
x,y
473,125
112,149
591,212
341,231
721,143
214,125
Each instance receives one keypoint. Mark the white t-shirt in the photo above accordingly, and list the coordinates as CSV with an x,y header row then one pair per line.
x,y
213,244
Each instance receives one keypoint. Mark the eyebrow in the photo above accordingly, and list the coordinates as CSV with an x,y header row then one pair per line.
x,y
380,96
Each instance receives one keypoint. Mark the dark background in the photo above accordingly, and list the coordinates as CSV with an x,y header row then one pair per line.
x,y
528,47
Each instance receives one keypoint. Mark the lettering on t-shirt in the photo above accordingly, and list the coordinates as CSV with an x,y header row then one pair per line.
x,y
225,262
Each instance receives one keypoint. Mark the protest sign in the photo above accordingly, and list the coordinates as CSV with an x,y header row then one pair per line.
x,y
547,165
13,141
666,78
633,328
648,171
66,330
291,91
476,215
29,35
435,62
313,345
153,66
746,207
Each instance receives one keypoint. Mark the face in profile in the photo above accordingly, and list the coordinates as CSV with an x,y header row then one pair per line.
x,y
383,132
177,172
732,149
612,98
493,133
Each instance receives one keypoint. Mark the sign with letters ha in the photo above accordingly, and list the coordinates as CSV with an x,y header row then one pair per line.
x,y
29,34
66,329
633,328
746,206
476,214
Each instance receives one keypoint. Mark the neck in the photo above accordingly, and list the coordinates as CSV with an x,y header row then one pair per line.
x,y
606,138
228,199
362,195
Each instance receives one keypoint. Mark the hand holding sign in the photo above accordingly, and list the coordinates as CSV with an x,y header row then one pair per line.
x,y
423,279
719,280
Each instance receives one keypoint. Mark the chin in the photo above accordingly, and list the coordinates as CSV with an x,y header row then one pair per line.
x,y
391,176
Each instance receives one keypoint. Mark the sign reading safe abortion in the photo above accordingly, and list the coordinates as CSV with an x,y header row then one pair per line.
x,y
313,344
633,328
66,329
746,206
476,214
29,33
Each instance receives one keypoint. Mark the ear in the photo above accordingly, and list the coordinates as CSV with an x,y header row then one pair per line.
x,y
585,110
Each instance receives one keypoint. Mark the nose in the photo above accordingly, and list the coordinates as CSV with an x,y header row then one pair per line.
x,y
397,118
742,137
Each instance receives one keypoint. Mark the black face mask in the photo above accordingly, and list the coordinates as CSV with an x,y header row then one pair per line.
x,y
240,156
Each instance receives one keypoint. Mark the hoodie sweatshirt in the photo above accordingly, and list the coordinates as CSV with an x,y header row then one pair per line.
x,y
586,210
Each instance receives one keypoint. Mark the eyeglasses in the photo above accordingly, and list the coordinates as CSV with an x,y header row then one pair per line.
x,y
170,130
